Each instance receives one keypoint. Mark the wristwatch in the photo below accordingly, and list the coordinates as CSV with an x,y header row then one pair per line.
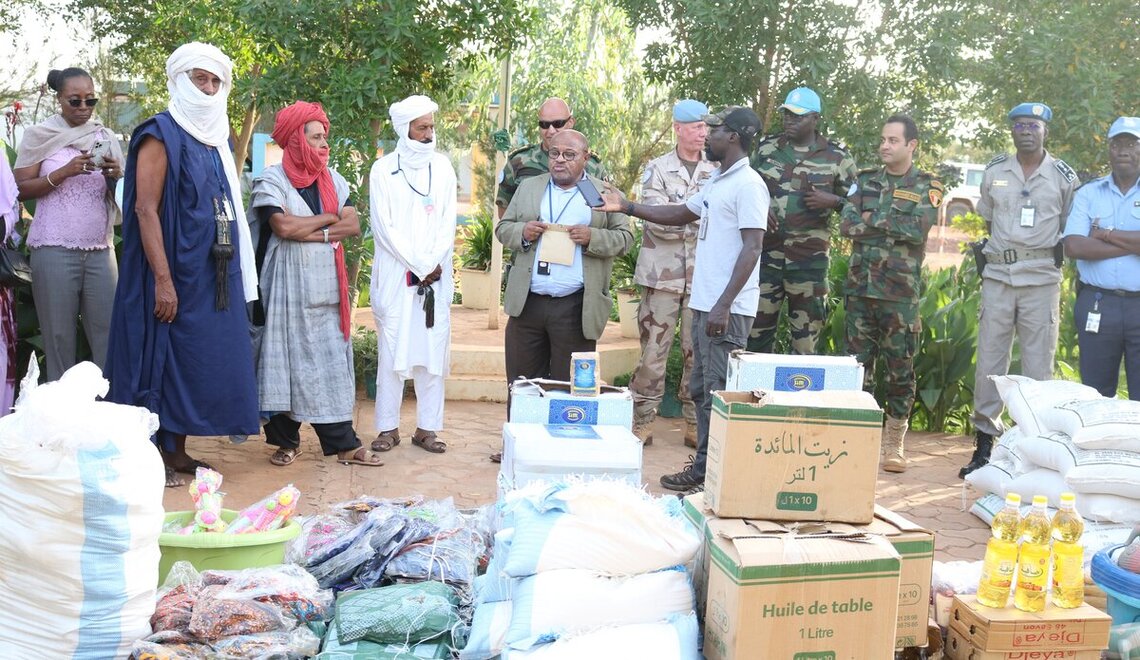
x,y
325,233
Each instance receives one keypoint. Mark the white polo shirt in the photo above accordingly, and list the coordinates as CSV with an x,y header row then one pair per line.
x,y
728,202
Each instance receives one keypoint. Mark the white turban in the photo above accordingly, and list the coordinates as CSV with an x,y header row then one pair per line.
x,y
204,118
413,153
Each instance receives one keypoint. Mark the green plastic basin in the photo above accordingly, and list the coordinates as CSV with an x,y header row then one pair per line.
x,y
223,551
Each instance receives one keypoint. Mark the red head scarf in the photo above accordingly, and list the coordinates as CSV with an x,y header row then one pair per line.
x,y
303,164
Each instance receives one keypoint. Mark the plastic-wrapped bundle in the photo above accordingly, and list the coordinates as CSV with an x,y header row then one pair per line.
x,y
449,556
403,613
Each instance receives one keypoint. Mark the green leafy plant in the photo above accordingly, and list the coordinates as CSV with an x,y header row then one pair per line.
x,y
478,241
970,223
626,265
365,356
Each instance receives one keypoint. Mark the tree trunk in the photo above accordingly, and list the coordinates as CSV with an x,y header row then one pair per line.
x,y
241,143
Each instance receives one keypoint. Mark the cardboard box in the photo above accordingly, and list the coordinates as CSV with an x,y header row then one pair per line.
x,y
914,545
540,452
794,455
807,594
1010,629
541,401
959,647
791,373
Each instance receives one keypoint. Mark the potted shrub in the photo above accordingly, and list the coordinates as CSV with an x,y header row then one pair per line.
x,y
476,282
626,291
365,358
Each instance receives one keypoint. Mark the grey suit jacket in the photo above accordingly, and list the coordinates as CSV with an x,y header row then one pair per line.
x,y
610,236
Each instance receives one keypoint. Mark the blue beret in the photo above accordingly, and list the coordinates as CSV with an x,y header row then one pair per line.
x,y
1034,110
1129,125
688,111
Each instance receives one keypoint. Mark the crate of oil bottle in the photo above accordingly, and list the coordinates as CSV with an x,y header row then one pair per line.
x,y
1039,560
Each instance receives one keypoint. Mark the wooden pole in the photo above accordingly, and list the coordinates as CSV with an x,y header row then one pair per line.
x,y
504,123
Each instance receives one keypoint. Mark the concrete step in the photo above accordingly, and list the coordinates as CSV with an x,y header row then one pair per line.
x,y
490,361
467,387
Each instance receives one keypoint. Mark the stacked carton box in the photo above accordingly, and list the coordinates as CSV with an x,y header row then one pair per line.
x,y
796,554
983,633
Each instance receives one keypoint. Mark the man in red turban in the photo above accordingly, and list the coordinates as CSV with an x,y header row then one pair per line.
x,y
302,343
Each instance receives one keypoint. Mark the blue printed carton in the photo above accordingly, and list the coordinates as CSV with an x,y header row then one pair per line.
x,y
541,401
792,373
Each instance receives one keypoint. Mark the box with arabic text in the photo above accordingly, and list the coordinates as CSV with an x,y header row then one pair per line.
x,y
794,455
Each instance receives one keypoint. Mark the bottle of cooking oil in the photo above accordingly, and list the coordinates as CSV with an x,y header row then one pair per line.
x,y
1068,554
1033,558
1001,554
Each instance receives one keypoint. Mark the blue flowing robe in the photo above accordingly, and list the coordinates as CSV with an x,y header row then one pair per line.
x,y
197,372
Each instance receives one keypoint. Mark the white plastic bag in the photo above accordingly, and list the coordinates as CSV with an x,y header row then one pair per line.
x,y
81,514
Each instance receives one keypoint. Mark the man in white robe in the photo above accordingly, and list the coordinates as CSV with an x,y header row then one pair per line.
x,y
413,198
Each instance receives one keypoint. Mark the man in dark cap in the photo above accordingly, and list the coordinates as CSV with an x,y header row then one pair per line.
x,y
1025,200
732,207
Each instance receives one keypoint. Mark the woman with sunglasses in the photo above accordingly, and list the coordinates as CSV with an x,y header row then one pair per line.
x,y
69,164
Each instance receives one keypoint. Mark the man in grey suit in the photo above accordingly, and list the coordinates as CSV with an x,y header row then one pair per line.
x,y
558,295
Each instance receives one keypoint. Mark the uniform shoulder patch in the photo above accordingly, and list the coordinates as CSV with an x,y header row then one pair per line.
x,y
519,151
837,145
1000,158
647,174
1066,171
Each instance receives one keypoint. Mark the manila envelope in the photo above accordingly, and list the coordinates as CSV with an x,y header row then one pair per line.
x,y
557,248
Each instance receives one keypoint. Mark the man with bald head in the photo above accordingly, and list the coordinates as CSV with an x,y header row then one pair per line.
x,y
558,303
554,116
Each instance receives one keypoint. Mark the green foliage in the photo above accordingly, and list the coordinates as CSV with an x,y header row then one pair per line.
x,y
866,60
971,224
626,265
586,53
478,240
1078,60
944,364
365,357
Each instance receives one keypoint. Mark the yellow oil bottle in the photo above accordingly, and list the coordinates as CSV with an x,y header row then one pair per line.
x,y
1001,554
1033,558
1068,554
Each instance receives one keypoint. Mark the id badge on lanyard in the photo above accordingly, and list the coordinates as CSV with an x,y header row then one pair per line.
x,y
704,222
1092,321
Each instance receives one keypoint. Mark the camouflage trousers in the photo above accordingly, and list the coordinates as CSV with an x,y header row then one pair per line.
x,y
657,316
806,294
888,330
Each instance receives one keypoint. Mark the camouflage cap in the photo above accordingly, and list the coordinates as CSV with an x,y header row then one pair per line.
x,y
740,119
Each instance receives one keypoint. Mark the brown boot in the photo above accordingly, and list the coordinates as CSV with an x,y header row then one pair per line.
x,y
643,432
690,435
894,436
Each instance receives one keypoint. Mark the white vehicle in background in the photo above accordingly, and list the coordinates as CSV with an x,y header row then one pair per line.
x,y
964,197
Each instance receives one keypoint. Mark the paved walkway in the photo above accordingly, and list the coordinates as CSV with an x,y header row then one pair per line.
x,y
930,493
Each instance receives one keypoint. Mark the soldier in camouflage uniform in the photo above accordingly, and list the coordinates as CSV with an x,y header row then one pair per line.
x,y
887,219
553,116
808,178
665,271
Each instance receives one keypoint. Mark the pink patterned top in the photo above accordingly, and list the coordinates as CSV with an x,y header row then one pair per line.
x,y
73,215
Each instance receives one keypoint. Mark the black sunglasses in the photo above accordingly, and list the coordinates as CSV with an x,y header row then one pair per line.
x,y
75,103
557,123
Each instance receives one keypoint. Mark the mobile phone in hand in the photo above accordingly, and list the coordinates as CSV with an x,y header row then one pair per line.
x,y
99,152
590,193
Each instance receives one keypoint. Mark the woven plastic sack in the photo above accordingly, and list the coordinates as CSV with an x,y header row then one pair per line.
x,y
672,640
488,636
402,613
1026,399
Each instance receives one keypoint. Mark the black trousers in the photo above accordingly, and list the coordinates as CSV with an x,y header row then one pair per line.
x,y
539,341
283,431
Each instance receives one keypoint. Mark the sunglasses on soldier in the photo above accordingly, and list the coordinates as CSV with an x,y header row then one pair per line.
x,y
557,123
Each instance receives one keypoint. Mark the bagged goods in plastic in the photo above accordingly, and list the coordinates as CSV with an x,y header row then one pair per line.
x,y
81,514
